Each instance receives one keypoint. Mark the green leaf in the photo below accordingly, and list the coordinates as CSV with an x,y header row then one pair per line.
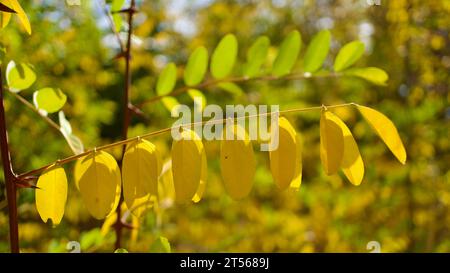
x,y
224,57
196,66
117,17
374,75
167,79
160,245
287,54
256,56
50,100
348,55
197,95
170,103
231,88
121,250
19,76
317,51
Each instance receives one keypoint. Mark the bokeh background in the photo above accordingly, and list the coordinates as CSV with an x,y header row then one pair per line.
x,y
404,208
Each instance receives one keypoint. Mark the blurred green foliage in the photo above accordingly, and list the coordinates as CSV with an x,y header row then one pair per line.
x,y
405,208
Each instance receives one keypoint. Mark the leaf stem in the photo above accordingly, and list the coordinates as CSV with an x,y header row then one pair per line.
x,y
214,82
166,130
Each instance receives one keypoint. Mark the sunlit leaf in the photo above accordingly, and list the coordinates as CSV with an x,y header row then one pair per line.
x,y
256,56
331,142
51,194
14,4
100,184
384,127
116,5
121,250
140,171
196,66
348,55
237,162
167,79
198,97
160,245
374,75
287,54
352,163
203,176
231,88
317,51
49,99
19,76
6,9
286,160
170,103
224,57
187,160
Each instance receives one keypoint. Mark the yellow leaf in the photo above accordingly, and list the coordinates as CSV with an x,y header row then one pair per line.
x,y
286,160
140,171
352,163
166,191
51,194
201,187
78,171
100,184
4,19
14,4
237,162
331,142
386,130
187,154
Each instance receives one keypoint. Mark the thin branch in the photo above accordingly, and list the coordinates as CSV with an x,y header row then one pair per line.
x,y
111,24
127,114
34,109
214,82
166,130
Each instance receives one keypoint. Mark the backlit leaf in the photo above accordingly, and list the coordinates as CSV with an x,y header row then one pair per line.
x,y
237,162
256,56
352,163
160,245
224,57
317,51
384,127
100,184
287,54
203,176
196,66
166,80
140,171
374,75
187,160
198,97
51,194
331,142
50,100
19,76
14,4
348,55
286,160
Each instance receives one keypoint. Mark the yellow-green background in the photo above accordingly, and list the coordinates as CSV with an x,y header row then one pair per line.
x,y
405,208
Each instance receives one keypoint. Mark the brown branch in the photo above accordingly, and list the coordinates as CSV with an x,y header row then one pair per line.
x,y
127,115
214,82
10,179
166,130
